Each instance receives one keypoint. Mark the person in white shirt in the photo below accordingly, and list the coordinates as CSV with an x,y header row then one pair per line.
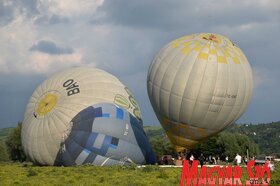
x,y
191,159
238,159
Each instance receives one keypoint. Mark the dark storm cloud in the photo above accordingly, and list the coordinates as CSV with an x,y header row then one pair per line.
x,y
172,15
15,92
250,24
51,48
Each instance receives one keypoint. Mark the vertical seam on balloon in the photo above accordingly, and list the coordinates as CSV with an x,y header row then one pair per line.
x,y
228,81
154,61
40,159
152,84
195,102
214,90
150,78
157,70
168,63
26,127
62,113
166,70
176,76
48,137
238,90
41,91
58,111
246,93
187,82
30,140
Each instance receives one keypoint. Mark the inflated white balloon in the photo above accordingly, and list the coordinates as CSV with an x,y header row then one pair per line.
x,y
59,99
198,85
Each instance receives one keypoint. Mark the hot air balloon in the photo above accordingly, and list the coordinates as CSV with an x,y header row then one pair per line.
x,y
54,104
105,134
198,85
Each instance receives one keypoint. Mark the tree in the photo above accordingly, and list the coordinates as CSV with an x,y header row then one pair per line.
x,y
162,146
228,144
14,146
3,152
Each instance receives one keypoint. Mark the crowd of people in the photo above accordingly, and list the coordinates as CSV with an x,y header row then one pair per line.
x,y
209,160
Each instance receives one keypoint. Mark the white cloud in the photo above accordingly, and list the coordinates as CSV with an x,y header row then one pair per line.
x,y
69,8
45,63
16,39
247,27
16,57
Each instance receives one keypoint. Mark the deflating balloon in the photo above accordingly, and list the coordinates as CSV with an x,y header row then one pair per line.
x,y
104,134
198,85
59,99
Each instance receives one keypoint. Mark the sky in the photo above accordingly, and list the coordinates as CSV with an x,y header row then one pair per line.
x,y
41,37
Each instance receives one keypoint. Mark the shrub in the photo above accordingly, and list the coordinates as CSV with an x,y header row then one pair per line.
x,y
31,172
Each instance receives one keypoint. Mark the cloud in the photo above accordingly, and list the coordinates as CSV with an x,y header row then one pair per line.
x,y
39,37
69,8
44,63
51,19
6,13
15,92
46,11
51,48
16,39
20,55
9,10
180,14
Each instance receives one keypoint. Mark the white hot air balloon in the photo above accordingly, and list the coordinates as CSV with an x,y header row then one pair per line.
x,y
48,115
198,85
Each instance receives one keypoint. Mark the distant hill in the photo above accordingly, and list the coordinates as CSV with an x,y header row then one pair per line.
x,y
267,136
4,133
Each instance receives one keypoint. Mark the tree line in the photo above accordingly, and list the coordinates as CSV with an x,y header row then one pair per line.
x,y
257,139
11,147
222,145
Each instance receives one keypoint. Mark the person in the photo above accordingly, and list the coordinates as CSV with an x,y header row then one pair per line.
x,y
214,160
201,159
191,159
226,159
238,159
246,160
210,159
218,160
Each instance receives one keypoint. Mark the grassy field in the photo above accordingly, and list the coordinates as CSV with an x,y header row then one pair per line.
x,y
28,174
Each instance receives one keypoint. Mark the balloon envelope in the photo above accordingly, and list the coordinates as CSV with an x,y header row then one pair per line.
x,y
198,85
59,99
104,134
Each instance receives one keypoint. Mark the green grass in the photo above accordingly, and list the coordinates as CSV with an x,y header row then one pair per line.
x,y
28,174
